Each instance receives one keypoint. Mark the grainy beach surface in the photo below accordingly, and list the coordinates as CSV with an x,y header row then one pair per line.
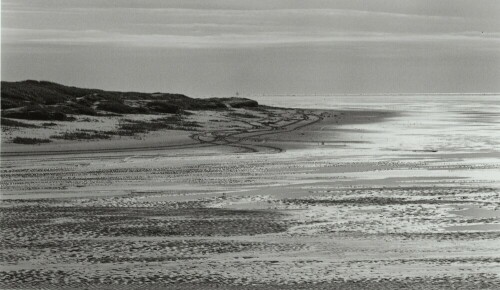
x,y
378,192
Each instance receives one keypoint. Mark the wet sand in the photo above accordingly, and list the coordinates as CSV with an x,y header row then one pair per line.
x,y
309,199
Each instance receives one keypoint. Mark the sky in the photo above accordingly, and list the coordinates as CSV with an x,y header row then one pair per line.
x,y
217,47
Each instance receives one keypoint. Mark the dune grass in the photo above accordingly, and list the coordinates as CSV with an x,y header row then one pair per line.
x,y
30,141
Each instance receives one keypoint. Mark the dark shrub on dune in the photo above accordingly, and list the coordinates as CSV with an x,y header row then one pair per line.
x,y
210,104
55,100
240,102
36,113
10,103
39,92
115,107
27,141
187,103
163,107
13,123
78,109
82,135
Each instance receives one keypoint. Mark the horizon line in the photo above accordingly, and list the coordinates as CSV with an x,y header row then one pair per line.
x,y
372,94
274,94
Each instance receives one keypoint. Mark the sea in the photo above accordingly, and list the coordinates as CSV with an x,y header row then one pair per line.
x,y
462,131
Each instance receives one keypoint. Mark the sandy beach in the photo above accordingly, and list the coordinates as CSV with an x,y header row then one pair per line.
x,y
270,145
282,199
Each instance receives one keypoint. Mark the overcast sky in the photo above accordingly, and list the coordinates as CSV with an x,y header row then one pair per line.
x,y
217,47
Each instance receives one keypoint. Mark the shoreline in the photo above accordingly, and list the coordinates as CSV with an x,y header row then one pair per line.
x,y
248,140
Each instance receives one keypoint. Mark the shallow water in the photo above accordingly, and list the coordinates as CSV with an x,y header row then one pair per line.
x,y
478,227
474,211
459,132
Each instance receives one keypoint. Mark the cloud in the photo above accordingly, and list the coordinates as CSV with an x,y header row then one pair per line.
x,y
226,40
230,13
402,45
221,24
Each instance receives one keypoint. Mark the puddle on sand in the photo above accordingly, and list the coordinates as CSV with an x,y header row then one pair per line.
x,y
477,212
476,227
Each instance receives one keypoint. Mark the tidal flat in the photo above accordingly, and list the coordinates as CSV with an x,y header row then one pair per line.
x,y
336,193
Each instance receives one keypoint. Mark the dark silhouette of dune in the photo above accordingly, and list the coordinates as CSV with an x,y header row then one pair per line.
x,y
43,100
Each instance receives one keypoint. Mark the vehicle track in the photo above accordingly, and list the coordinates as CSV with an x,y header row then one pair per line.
x,y
268,131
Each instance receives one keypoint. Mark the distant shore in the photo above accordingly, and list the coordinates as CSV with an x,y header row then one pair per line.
x,y
269,130
68,120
